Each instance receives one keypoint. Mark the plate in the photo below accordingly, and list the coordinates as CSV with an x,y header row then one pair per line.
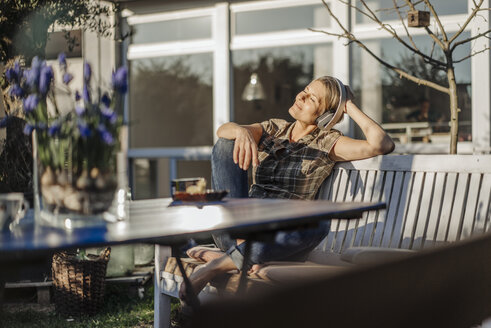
x,y
207,196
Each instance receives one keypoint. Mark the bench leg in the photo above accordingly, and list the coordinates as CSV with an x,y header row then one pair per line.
x,y
161,315
43,295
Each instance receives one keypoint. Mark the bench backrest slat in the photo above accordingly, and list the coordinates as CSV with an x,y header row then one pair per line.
x,y
483,206
420,233
431,199
470,207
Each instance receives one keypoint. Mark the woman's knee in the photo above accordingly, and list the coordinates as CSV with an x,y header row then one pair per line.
x,y
223,147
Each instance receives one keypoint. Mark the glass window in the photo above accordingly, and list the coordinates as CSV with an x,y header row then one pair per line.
x,y
191,169
390,99
152,180
144,182
384,9
171,101
172,30
274,20
282,73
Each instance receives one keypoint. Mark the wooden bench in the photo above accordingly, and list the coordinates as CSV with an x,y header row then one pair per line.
x,y
431,200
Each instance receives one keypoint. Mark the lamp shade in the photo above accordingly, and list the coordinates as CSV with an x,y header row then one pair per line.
x,y
253,90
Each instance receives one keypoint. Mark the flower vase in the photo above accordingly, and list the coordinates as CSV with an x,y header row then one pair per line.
x,y
69,197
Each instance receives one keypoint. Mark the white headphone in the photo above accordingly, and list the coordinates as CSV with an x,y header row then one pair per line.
x,y
329,118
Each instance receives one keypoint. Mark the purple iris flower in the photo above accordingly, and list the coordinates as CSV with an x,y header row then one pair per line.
x,y
77,96
106,100
86,93
16,91
80,110
109,114
4,121
14,74
119,80
41,126
45,79
87,72
106,136
30,103
67,78
54,129
84,129
28,128
11,75
32,75
62,60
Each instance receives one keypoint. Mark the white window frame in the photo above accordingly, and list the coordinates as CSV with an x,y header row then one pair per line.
x,y
480,82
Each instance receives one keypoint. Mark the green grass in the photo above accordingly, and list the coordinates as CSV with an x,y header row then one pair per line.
x,y
119,310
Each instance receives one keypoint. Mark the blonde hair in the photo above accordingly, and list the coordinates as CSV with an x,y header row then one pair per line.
x,y
333,97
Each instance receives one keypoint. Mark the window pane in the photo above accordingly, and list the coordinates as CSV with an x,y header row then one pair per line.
x,y
171,100
191,169
273,20
283,72
390,99
172,30
384,9
144,182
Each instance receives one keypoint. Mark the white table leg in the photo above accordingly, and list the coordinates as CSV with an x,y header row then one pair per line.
x,y
162,302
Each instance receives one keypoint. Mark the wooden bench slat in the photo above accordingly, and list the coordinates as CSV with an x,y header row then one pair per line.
x,y
470,206
458,207
413,207
338,196
423,163
364,222
443,224
328,242
361,186
376,236
392,206
424,211
435,210
482,215
348,196
397,230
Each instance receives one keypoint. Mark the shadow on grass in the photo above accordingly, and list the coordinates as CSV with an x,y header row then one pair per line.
x,y
119,310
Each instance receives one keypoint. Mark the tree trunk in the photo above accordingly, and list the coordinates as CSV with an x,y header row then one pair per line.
x,y
454,110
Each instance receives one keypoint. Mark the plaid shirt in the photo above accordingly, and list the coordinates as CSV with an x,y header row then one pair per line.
x,y
291,169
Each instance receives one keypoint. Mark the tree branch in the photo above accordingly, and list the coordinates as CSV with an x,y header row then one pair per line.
x,y
399,71
472,54
387,28
427,29
471,16
456,44
437,18
404,25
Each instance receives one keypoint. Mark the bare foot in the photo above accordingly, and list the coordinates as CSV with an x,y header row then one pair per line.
x,y
255,268
205,254
205,273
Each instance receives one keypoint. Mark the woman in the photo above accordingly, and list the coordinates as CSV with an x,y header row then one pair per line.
x,y
290,161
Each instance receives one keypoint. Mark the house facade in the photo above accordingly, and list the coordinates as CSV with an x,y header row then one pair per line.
x,y
196,65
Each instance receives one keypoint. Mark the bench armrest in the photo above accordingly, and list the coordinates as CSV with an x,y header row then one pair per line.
x,y
368,255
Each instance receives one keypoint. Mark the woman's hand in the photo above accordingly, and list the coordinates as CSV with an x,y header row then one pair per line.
x,y
246,140
245,149
349,97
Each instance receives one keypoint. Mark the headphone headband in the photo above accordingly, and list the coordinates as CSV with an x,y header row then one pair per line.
x,y
328,119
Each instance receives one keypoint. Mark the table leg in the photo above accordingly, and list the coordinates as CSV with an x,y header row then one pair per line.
x,y
191,297
243,273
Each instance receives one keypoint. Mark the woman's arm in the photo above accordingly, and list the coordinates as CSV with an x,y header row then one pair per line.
x,y
246,140
377,141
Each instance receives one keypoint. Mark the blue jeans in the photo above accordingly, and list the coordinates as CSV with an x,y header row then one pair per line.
x,y
291,245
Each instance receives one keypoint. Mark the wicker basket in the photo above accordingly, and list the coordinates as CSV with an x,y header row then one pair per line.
x,y
79,284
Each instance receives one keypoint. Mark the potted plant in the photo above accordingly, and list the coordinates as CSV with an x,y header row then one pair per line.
x,y
75,153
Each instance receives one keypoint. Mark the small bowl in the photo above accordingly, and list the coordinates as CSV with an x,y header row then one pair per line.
x,y
208,196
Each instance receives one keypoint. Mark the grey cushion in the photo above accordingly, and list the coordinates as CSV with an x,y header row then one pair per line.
x,y
368,255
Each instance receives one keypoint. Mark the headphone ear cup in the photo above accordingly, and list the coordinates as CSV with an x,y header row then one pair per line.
x,y
323,120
